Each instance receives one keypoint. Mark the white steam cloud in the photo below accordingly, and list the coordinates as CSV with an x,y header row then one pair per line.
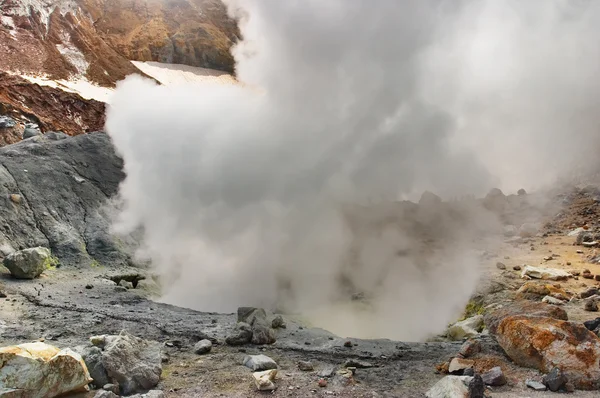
x,y
246,193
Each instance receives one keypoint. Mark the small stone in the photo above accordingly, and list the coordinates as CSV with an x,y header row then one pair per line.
x,y
552,300
555,380
588,276
591,305
468,328
278,322
259,362
125,284
568,263
88,286
120,289
476,387
579,251
517,268
322,383
458,365
305,366
348,344
500,265
202,347
98,341
264,380
111,387
592,324
327,372
569,387
355,363
469,372
536,386
470,348
494,377
589,292
15,198
597,278
241,335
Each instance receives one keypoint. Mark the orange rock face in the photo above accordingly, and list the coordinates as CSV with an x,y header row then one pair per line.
x,y
524,307
543,343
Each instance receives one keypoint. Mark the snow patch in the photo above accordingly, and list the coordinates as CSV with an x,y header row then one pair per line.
x,y
176,74
82,86
74,56
8,22
44,7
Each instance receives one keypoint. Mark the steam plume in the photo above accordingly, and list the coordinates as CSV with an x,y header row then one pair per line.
x,y
246,194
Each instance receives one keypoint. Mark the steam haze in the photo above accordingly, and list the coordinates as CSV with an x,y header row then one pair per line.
x,y
248,194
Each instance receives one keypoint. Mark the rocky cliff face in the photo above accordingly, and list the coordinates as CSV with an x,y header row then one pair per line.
x,y
91,43
96,39
55,192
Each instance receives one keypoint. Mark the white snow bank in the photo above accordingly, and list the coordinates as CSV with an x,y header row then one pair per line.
x,y
172,74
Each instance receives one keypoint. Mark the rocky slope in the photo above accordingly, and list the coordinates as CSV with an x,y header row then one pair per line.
x,y
67,49
55,194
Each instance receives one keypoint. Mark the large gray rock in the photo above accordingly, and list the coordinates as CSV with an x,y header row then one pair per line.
x,y
64,185
29,263
92,357
130,362
262,333
242,334
31,132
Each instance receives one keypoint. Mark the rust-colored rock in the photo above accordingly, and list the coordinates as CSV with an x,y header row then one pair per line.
x,y
523,307
544,343
52,109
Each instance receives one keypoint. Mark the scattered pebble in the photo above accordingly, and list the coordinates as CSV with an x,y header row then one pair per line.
x,y
517,268
536,386
494,377
500,265
202,347
322,383
591,305
348,344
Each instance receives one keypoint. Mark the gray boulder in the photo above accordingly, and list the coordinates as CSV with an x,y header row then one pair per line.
x,y
132,363
241,335
29,263
202,347
56,135
92,356
262,333
259,362
31,132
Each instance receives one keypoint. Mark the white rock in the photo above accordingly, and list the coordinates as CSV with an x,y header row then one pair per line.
x,y
552,274
467,328
450,387
39,370
552,300
576,231
264,380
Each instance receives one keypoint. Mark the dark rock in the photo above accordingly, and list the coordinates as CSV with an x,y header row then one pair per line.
x,y
355,363
348,344
278,322
591,305
592,324
469,372
494,377
92,356
241,335
555,380
476,387
262,333
517,268
521,192
589,292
